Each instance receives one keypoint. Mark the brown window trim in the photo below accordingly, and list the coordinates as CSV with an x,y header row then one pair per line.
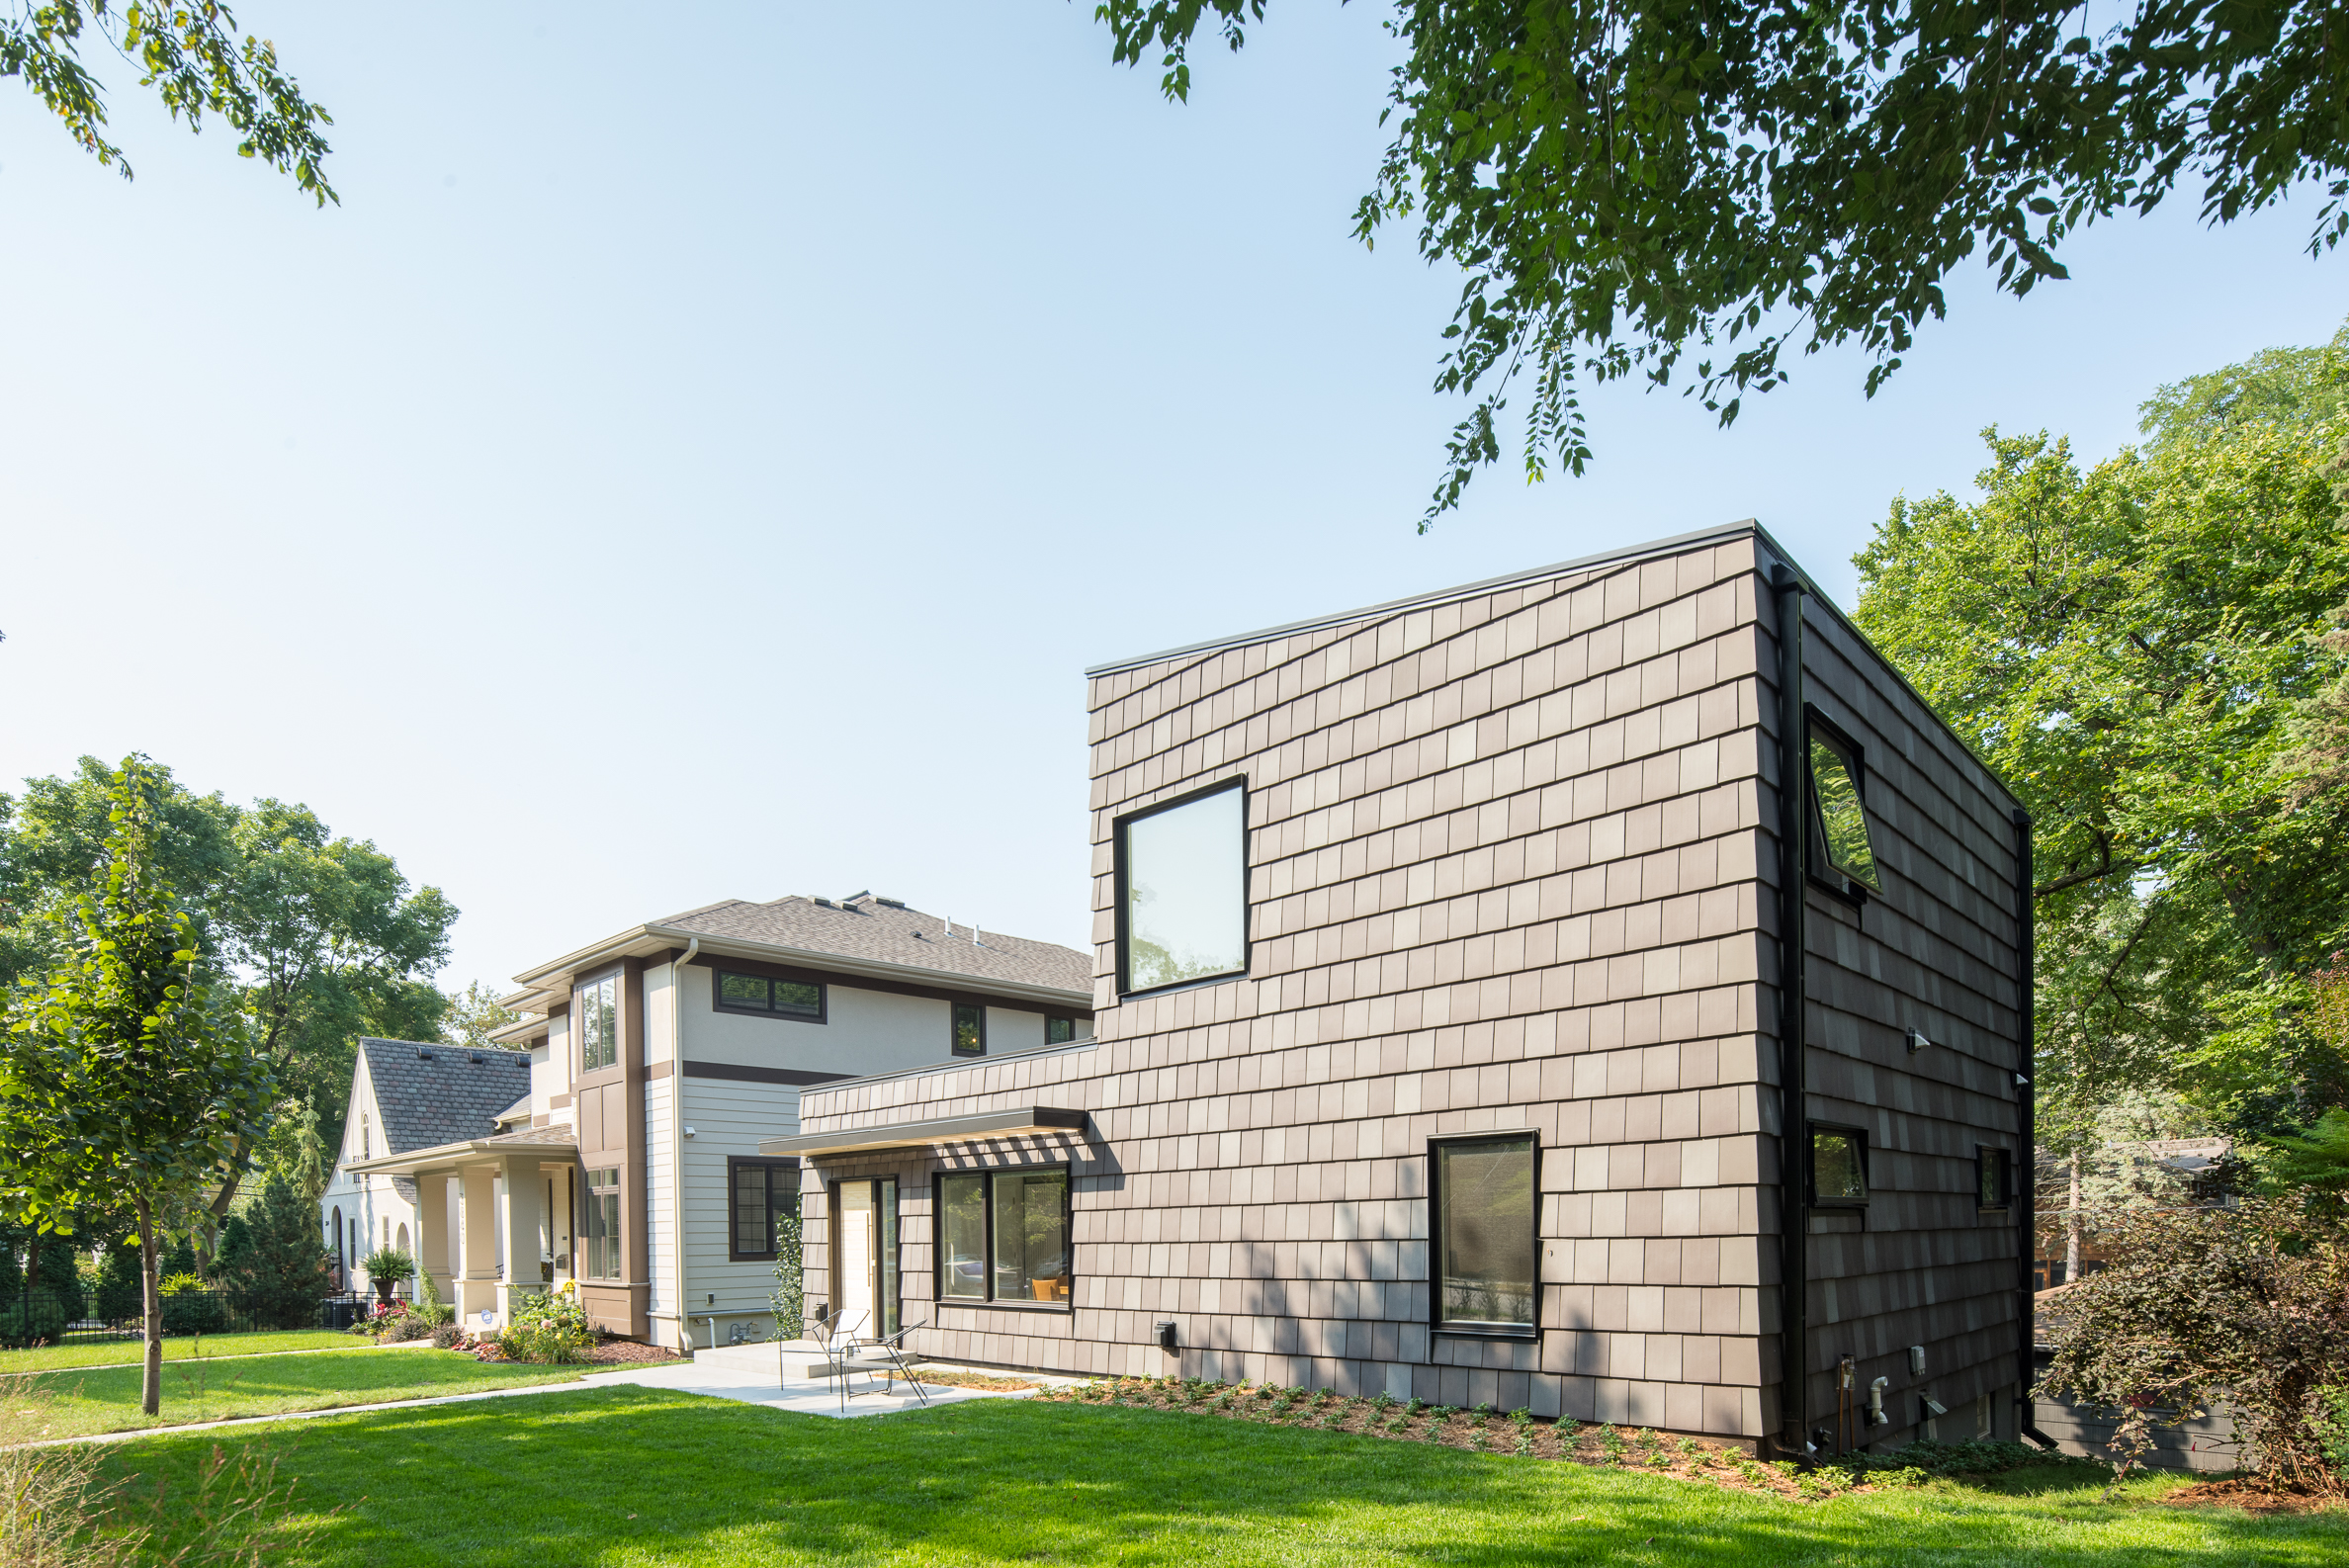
x,y
732,1164
939,1261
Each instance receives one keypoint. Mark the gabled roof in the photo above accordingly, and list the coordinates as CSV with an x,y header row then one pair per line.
x,y
892,933
428,1093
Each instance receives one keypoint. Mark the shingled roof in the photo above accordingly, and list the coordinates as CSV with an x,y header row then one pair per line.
x,y
889,932
428,1093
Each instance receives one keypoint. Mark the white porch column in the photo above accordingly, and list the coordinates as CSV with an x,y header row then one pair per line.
x,y
520,1198
432,1232
478,1242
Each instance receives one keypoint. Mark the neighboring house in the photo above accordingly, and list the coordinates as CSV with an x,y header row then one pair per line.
x,y
405,1095
1441,1040
659,1057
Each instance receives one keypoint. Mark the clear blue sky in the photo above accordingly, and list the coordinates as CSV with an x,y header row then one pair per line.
x,y
704,448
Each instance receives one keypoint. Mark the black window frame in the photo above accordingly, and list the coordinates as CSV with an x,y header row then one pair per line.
x,y
1062,1020
1463,1329
770,979
1117,834
1810,1166
1821,870
1997,1158
578,1020
954,1023
781,1199
985,1176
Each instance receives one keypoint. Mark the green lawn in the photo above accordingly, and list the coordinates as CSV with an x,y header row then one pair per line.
x,y
619,1477
100,1352
105,1399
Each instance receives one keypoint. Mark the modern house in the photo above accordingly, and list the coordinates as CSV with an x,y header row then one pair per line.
x,y
627,1158
1479,1017
405,1095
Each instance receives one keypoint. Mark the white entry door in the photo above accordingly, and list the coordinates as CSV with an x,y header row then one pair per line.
x,y
865,1254
856,1255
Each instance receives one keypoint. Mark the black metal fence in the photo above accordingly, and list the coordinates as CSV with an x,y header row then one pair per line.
x,y
39,1315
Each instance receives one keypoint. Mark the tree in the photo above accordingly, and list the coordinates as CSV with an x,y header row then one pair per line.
x,y
192,59
125,1077
474,1015
2135,648
279,1275
1629,186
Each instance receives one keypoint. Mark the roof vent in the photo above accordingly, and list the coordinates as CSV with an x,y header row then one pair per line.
x,y
893,904
823,903
423,1055
853,897
477,1058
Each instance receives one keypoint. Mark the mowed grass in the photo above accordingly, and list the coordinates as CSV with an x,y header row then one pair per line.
x,y
621,1477
79,1401
103,1353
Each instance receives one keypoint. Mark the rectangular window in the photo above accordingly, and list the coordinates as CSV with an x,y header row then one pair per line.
x,y
1842,844
1484,1245
1004,1237
1994,1177
601,1227
1182,891
970,1029
1059,1031
779,999
599,1009
1838,1166
764,1190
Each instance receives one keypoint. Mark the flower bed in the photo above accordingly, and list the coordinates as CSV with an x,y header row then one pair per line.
x,y
1520,1432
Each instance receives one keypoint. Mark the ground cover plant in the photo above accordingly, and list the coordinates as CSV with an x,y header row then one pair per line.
x,y
84,1401
125,1353
643,1477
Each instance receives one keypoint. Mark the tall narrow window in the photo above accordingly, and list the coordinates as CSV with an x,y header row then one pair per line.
x,y
970,1029
1182,891
598,1009
602,1227
1838,1166
365,1139
1486,1279
1841,842
764,1190
962,1228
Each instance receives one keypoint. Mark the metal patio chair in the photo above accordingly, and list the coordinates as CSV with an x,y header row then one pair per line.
x,y
887,1355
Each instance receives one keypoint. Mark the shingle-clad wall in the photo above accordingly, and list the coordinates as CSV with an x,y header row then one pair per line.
x,y
1937,953
1511,865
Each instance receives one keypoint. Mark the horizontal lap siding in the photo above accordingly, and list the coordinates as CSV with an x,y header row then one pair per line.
x,y
728,1118
1502,873
1937,953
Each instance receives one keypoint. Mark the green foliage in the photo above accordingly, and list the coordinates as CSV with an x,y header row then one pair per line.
x,y
2134,648
121,1296
547,1329
27,1319
428,1304
279,1274
789,1297
195,1310
2296,388
1627,188
192,59
388,1263
473,1015
2195,1308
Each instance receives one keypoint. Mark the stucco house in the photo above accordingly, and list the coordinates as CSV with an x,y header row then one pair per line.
x,y
626,1159
1479,1017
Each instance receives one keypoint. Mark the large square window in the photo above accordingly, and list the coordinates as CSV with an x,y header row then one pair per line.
x,y
1486,1279
1004,1236
1838,1166
1842,842
1182,891
598,1009
764,1192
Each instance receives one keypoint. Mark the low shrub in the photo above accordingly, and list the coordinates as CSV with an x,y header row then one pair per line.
x,y
29,1320
445,1336
193,1310
547,1329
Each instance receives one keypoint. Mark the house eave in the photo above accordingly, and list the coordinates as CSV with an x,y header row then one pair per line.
x,y
1023,1122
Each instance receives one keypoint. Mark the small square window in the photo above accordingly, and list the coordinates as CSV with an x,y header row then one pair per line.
x,y
1838,1166
1059,1031
970,1029
1994,1177
1842,844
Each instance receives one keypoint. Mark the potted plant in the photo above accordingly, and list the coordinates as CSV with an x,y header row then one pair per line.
x,y
386,1266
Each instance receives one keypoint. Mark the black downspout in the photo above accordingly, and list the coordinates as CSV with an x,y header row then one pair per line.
x,y
2027,1109
1793,1103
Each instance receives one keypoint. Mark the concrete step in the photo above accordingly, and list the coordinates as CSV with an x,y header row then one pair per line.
x,y
793,1362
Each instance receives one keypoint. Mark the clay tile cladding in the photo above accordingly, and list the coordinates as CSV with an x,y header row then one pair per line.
x,y
445,1098
892,934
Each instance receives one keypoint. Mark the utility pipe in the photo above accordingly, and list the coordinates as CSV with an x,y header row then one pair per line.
x,y
2026,1193
1793,1103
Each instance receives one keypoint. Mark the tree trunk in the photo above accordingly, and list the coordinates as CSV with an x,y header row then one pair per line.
x,y
2071,1229
150,1382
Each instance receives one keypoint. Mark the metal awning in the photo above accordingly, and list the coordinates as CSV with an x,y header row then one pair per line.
x,y
1019,1121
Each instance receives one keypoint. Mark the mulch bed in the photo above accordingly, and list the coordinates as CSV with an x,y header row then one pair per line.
x,y
2251,1496
939,1377
624,1353
1486,1431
